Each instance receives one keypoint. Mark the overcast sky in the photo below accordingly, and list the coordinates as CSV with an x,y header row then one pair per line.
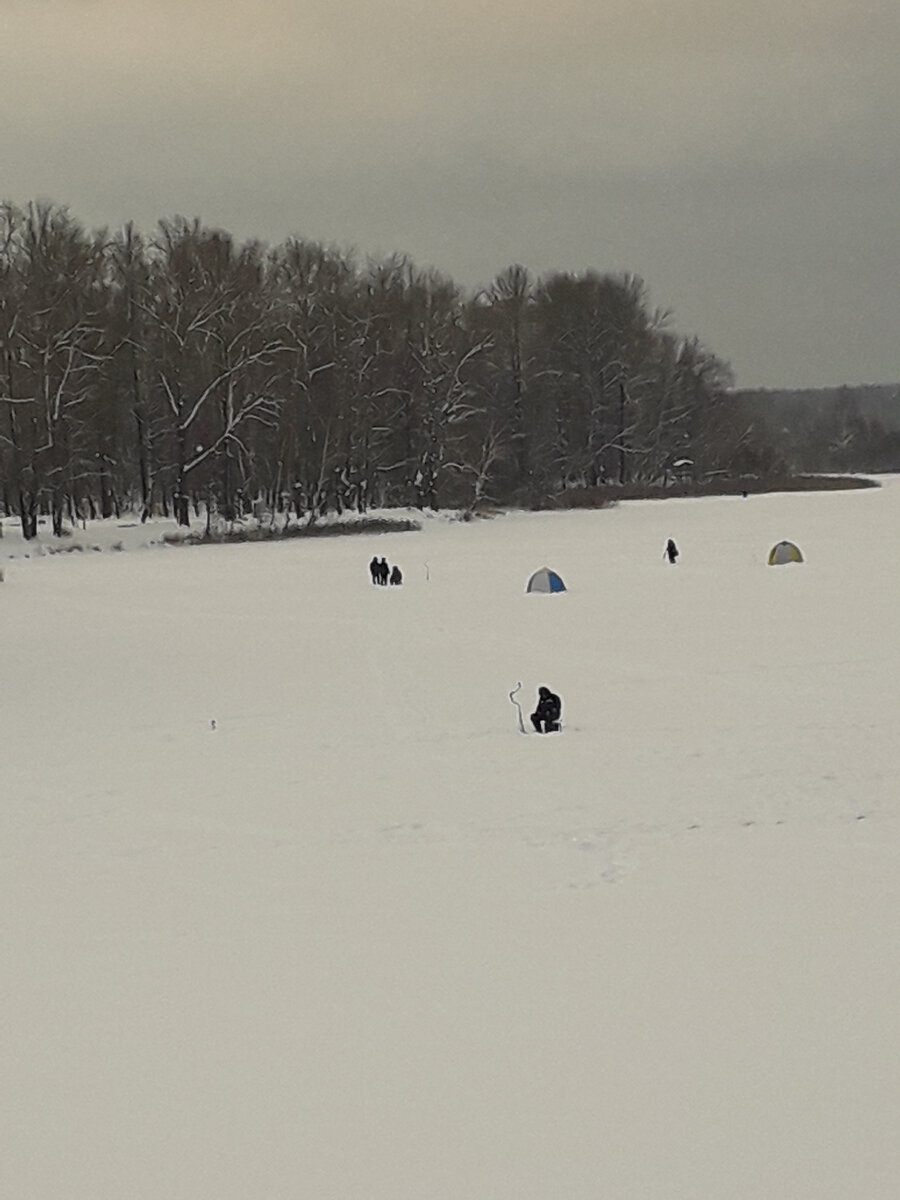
x,y
744,159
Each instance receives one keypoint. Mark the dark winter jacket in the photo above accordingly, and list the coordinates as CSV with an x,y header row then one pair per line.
x,y
549,706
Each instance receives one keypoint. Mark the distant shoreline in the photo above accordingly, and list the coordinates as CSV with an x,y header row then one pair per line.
x,y
605,494
163,531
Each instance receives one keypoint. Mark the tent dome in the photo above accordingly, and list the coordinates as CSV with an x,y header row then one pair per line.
x,y
784,552
545,580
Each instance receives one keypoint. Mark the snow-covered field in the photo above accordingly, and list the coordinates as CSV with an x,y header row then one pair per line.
x,y
291,911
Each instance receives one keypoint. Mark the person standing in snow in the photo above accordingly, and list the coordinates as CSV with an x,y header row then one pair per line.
x,y
374,570
383,572
546,716
671,552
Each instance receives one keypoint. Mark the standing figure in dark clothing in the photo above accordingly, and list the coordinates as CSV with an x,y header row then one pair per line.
x,y
396,576
546,716
374,570
383,571
671,552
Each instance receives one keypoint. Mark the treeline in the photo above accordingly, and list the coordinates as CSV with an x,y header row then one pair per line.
x,y
828,429
188,370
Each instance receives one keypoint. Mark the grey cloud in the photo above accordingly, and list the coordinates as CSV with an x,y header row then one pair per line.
x,y
744,159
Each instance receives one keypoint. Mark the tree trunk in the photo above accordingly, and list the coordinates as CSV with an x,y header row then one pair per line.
x,y
28,515
146,478
623,458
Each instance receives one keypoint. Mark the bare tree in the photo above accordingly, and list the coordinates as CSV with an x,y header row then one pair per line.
x,y
218,355
58,348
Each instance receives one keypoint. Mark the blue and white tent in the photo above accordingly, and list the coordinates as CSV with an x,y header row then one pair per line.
x,y
545,580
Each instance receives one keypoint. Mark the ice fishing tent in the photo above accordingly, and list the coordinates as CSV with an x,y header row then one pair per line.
x,y
784,552
545,580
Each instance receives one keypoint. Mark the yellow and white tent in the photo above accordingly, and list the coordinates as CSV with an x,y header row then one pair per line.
x,y
784,552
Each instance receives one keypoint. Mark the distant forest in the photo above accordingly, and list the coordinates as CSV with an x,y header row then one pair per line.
x,y
849,429
185,371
